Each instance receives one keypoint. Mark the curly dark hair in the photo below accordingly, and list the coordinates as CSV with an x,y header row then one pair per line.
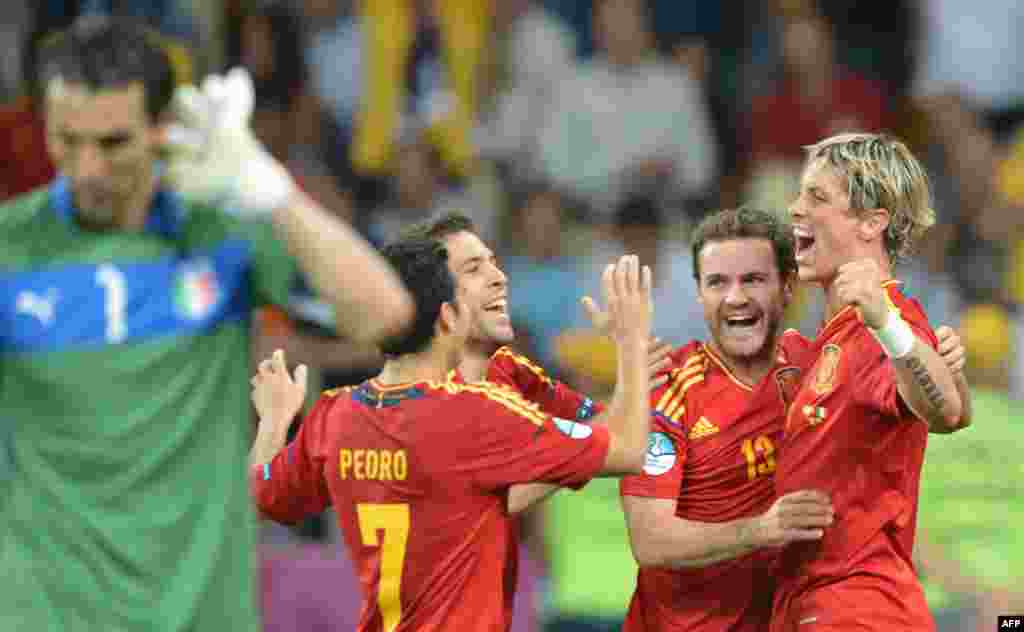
x,y
746,223
422,265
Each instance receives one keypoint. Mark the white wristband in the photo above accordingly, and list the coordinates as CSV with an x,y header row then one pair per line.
x,y
896,337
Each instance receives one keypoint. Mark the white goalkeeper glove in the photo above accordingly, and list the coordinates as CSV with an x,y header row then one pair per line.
x,y
214,157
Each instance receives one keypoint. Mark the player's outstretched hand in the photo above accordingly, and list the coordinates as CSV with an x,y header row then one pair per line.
x,y
658,362
658,350
951,349
214,157
278,396
627,289
859,283
801,515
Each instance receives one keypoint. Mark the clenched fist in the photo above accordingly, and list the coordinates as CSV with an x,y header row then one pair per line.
x,y
859,283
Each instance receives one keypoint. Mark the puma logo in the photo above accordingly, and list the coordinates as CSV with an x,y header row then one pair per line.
x,y
43,308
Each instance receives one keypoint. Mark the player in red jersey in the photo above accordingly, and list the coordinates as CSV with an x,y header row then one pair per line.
x,y
705,524
417,466
859,423
482,287
704,508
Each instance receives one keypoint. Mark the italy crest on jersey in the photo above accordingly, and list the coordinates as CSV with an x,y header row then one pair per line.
x,y
197,290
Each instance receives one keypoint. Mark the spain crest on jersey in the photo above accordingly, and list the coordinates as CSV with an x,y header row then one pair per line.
x,y
788,381
827,369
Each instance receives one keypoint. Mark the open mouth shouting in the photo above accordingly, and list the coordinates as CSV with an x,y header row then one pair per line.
x,y
741,324
804,243
499,307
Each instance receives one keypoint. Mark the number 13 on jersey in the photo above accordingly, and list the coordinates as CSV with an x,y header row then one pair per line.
x,y
393,520
759,454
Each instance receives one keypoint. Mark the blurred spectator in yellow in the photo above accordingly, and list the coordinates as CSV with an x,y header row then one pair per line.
x,y
627,122
420,62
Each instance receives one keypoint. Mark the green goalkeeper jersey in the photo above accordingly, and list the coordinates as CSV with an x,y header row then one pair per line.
x,y
124,398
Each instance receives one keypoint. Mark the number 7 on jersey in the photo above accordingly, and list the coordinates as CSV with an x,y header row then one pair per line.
x,y
393,520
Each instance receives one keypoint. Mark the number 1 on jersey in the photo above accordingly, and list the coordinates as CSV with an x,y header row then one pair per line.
x,y
393,520
111,280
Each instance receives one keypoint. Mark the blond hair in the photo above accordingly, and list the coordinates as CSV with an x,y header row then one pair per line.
x,y
880,172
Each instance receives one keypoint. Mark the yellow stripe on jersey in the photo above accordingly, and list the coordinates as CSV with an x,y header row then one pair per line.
x,y
672,403
507,398
524,362
693,365
675,409
334,392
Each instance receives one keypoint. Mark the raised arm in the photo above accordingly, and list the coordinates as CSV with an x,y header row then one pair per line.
x,y
278,398
522,497
216,158
627,289
923,379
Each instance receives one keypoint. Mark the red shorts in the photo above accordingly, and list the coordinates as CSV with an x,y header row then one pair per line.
x,y
865,603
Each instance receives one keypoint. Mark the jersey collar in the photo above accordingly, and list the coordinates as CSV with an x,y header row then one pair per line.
x,y
166,212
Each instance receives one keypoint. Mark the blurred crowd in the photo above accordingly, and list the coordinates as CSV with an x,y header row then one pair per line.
x,y
572,130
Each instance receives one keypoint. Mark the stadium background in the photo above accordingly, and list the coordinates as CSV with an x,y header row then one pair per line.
x,y
570,132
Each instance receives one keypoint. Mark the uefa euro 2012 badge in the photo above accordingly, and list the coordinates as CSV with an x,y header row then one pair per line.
x,y
661,454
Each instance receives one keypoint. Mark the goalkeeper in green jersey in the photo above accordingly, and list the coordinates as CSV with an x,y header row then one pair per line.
x,y
126,289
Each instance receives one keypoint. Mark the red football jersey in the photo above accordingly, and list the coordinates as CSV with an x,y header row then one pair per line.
x,y
418,475
519,373
515,371
849,434
713,449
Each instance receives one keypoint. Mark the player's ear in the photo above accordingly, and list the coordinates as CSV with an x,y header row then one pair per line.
x,y
873,224
449,318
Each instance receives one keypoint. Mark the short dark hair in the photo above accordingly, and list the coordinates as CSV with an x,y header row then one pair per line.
x,y
746,223
109,52
422,265
438,228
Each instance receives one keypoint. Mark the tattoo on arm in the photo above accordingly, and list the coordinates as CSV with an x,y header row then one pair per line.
x,y
924,380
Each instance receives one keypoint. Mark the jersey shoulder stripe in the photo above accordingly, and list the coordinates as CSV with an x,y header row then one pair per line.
x,y
523,361
332,393
690,372
502,395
